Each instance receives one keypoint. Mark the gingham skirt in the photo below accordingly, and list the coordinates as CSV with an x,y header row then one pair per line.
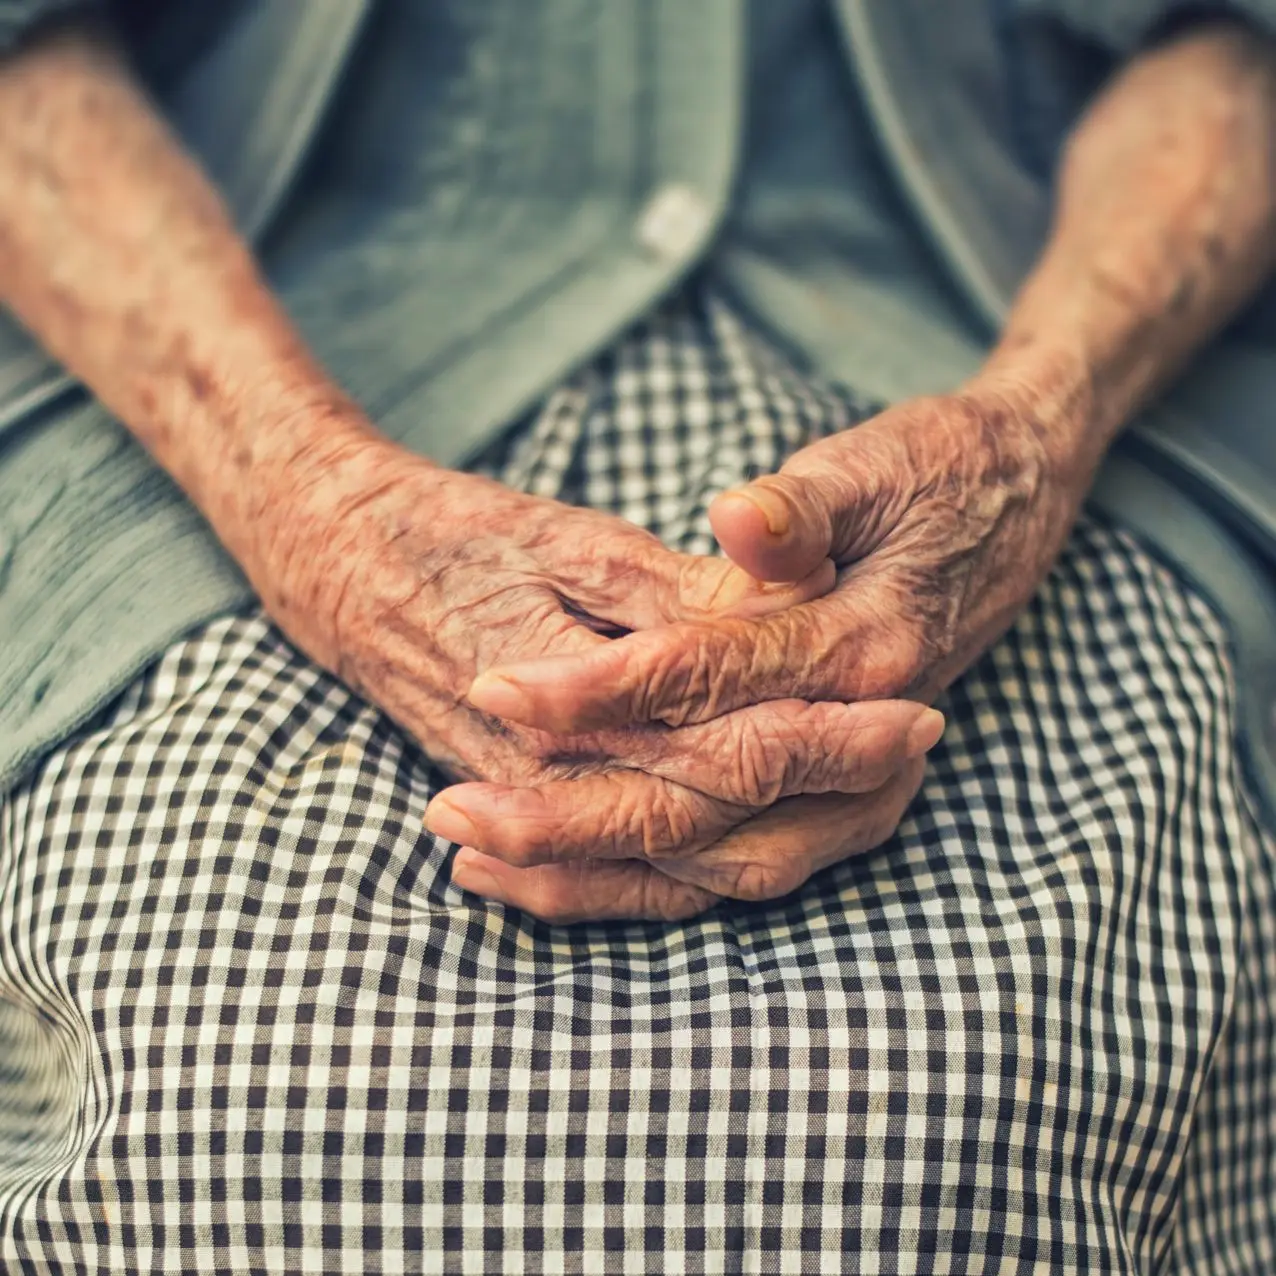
x,y
248,1025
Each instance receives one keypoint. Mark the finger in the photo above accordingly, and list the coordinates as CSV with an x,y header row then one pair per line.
x,y
564,894
724,771
828,650
771,531
699,588
410,639
637,583
775,852
834,500
616,815
758,755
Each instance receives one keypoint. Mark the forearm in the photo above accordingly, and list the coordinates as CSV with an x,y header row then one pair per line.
x,y
119,257
1165,224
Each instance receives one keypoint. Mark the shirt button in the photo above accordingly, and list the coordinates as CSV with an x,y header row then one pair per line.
x,y
675,219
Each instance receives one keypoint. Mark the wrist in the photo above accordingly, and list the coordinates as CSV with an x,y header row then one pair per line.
x,y
279,470
1087,345
1052,395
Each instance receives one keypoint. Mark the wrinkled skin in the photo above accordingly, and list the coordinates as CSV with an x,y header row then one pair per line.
x,y
408,582
943,515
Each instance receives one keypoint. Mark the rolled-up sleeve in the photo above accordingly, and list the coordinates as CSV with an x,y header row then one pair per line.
x,y
1123,26
19,17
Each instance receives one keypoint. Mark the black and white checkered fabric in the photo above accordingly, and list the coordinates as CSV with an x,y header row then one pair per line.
x,y
247,1025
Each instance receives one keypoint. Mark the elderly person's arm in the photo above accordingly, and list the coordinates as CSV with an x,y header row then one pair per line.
x,y
405,579
944,514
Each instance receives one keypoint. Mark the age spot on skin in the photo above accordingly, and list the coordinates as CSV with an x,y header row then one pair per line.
x,y
200,384
1215,249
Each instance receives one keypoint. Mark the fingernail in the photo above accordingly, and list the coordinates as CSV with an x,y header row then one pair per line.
x,y
444,820
469,874
775,509
924,734
490,693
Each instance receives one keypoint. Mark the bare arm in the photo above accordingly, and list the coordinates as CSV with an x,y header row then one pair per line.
x,y
119,257
405,579
945,513
1165,224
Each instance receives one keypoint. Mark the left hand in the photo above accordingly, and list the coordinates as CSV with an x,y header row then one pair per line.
x,y
942,515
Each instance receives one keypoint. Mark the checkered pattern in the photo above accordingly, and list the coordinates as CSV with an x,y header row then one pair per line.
x,y
247,1025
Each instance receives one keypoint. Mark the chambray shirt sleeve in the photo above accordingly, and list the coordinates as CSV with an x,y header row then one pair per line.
x,y
18,17
1121,27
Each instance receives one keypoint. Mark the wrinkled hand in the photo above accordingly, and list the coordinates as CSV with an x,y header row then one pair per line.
x,y
408,582
942,515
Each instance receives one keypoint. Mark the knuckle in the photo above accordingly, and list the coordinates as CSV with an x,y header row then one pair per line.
x,y
913,651
888,659
759,764
814,654
523,838
705,586
761,879
671,825
526,845
642,821
663,899
844,756
811,748
684,684
552,899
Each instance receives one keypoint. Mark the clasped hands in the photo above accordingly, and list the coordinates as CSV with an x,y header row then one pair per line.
x,y
640,733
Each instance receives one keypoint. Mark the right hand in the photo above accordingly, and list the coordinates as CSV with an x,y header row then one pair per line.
x,y
408,581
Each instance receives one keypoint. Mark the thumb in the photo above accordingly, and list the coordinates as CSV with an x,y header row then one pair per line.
x,y
710,588
779,527
642,584
835,500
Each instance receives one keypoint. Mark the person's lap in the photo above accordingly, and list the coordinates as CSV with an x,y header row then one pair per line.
x,y
248,1024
